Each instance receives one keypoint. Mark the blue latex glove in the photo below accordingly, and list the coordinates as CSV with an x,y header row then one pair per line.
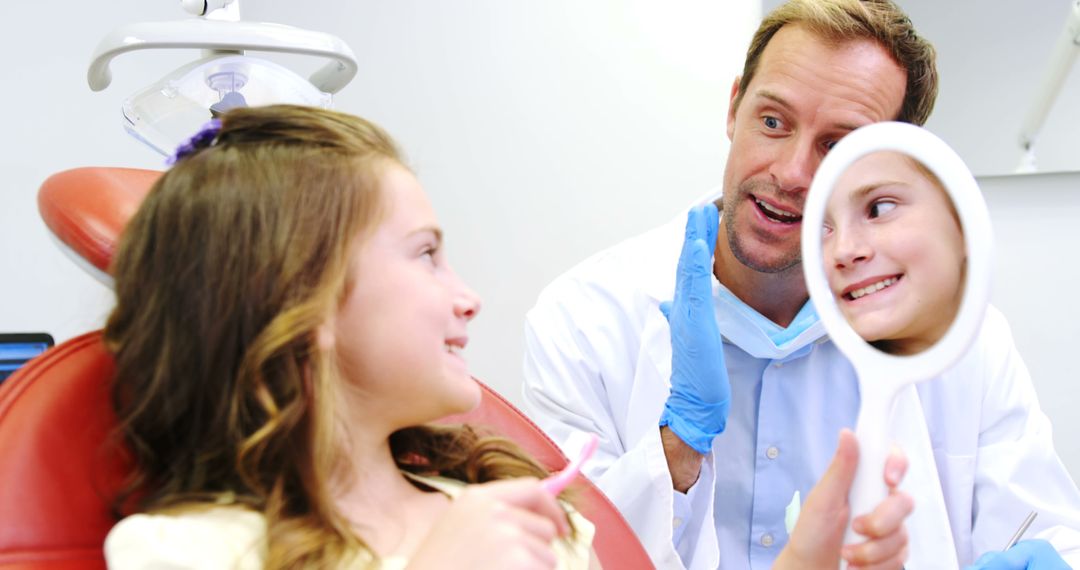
x,y
697,408
1027,554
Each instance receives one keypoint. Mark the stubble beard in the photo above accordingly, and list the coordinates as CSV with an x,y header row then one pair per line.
x,y
736,242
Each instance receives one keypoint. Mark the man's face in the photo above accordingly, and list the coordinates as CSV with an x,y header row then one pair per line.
x,y
804,97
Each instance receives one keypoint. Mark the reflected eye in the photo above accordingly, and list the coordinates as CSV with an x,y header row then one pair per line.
x,y
880,208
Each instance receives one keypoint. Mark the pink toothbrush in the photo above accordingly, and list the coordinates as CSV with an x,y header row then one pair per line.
x,y
555,483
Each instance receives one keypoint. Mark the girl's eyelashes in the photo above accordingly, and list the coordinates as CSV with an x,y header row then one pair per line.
x,y
430,253
428,244
880,207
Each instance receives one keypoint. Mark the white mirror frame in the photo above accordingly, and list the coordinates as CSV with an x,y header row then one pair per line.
x,y
961,187
881,375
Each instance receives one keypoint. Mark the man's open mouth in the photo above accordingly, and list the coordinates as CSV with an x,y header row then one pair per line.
x,y
776,214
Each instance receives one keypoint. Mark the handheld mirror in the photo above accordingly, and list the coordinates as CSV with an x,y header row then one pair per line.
x,y
896,247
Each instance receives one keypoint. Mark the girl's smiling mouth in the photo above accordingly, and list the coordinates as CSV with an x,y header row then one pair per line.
x,y
869,287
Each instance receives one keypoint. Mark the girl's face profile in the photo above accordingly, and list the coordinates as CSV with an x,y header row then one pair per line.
x,y
894,253
400,331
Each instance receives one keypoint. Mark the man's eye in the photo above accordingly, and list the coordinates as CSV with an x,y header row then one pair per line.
x,y
880,208
772,122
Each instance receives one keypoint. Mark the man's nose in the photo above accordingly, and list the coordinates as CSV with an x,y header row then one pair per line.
x,y
794,168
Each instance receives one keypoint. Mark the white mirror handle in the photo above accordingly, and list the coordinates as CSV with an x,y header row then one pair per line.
x,y
868,489
882,376
227,36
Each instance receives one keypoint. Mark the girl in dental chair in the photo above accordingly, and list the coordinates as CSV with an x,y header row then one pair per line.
x,y
286,322
286,326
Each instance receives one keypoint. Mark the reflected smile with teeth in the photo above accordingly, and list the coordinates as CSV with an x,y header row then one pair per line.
x,y
859,292
776,214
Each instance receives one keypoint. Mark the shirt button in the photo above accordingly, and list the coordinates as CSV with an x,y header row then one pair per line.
x,y
772,452
677,522
767,540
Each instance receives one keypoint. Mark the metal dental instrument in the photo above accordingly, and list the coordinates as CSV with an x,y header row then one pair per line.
x,y
1020,531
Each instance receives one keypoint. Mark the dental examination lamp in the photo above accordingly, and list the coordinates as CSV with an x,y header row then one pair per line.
x,y
1061,61
170,110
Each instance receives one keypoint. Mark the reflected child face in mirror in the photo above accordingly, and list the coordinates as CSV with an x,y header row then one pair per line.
x,y
894,253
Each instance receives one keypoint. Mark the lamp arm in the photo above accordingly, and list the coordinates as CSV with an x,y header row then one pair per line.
x,y
1061,61
226,36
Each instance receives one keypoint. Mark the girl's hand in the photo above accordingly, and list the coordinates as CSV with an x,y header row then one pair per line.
x,y
816,541
502,524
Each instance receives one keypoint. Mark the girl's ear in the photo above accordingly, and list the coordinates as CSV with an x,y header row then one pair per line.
x,y
324,336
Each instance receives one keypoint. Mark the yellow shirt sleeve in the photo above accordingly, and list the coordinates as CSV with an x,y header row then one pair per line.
x,y
234,538
217,537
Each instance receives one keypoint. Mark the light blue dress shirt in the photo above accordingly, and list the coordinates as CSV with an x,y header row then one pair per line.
x,y
777,439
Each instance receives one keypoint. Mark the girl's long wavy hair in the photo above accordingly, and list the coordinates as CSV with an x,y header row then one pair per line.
x,y
236,257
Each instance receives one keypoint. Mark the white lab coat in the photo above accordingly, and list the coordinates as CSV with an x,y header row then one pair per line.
x,y
598,359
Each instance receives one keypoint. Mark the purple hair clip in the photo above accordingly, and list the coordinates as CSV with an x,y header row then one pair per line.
x,y
200,140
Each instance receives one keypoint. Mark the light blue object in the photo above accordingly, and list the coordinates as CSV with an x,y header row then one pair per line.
x,y
1035,554
791,512
779,335
697,408
774,407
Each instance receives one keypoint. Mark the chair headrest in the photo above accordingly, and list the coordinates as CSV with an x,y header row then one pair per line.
x,y
87,209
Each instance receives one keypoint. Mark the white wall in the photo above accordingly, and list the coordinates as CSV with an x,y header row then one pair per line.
x,y
1036,239
52,121
992,57
543,131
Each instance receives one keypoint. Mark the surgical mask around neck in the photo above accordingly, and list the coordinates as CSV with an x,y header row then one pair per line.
x,y
757,335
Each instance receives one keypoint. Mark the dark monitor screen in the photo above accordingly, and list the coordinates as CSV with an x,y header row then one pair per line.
x,y
17,348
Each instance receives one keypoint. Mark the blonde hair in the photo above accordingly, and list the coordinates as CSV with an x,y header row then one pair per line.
x,y
881,21
236,257
936,183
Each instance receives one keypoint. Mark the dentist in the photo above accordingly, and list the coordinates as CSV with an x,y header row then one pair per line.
x,y
703,458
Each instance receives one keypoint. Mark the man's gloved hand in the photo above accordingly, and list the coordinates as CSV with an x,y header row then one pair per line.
x,y
697,408
1027,554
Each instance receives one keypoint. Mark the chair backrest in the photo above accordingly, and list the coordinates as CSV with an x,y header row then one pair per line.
x,y
60,472
57,476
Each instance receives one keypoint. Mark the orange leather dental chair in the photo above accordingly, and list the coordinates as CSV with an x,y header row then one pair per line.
x,y
58,471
